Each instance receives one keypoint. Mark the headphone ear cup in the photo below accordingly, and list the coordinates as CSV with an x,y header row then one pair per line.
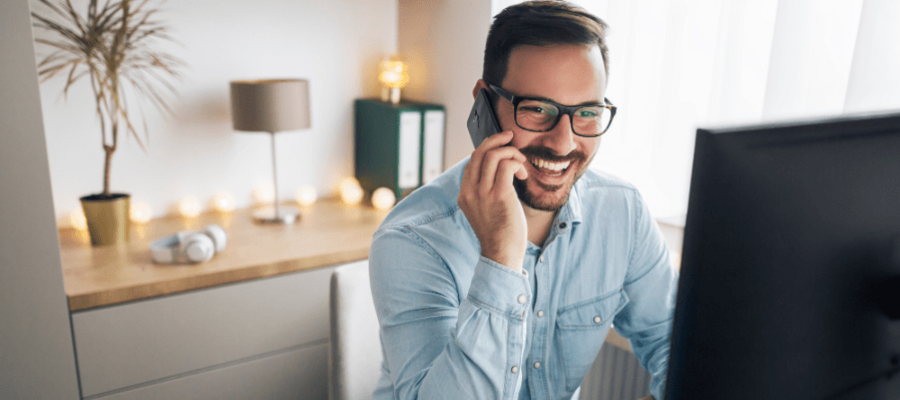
x,y
218,236
197,247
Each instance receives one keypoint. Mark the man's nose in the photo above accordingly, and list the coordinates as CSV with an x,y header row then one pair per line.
x,y
561,139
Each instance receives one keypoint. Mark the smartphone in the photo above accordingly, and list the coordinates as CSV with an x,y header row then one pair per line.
x,y
482,121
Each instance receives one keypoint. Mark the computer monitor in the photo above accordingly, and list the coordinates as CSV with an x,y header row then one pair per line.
x,y
791,261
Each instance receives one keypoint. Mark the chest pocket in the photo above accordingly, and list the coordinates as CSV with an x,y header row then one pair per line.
x,y
581,329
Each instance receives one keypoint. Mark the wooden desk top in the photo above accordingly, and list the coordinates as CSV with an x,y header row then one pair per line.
x,y
328,233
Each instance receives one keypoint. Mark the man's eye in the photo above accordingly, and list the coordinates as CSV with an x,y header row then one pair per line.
x,y
587,114
538,109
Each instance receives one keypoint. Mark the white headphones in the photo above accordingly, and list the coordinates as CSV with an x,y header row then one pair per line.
x,y
189,246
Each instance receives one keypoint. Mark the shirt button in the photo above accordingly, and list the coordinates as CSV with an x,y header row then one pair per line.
x,y
562,225
597,320
522,299
514,369
537,364
541,259
540,313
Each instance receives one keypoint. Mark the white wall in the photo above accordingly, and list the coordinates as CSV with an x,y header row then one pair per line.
x,y
37,355
336,44
443,41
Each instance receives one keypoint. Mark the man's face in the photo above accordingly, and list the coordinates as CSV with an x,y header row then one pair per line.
x,y
566,74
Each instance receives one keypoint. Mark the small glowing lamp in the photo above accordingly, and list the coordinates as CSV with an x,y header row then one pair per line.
x,y
77,220
383,198
264,195
350,191
140,213
223,203
189,207
393,75
306,195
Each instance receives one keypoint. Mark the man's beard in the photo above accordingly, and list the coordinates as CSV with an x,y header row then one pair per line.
x,y
546,203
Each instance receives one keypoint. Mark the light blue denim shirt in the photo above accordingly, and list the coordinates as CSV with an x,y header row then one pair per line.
x,y
455,325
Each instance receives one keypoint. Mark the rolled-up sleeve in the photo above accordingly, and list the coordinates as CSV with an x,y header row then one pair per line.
x,y
650,283
436,345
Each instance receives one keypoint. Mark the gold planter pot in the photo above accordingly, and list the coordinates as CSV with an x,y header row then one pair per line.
x,y
107,218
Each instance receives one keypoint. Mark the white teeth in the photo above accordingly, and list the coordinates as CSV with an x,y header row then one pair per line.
x,y
549,165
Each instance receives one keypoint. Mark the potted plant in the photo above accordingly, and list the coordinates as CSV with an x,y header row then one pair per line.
x,y
110,46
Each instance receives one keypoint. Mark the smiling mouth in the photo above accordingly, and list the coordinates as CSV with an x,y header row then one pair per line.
x,y
550,168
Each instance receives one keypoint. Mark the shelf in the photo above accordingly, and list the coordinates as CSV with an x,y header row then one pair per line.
x,y
328,233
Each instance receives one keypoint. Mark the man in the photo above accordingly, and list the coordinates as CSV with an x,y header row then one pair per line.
x,y
501,278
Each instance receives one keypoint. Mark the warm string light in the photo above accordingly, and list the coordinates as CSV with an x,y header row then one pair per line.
x,y
223,203
140,212
189,207
350,191
77,220
264,195
383,198
306,195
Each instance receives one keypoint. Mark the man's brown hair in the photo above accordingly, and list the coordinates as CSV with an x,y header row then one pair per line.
x,y
539,23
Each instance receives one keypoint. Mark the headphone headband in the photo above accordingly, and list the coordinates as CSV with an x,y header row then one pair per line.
x,y
189,246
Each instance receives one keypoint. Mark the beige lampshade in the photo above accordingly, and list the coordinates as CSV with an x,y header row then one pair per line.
x,y
270,105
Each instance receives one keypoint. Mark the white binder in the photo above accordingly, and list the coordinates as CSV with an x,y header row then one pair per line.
x,y
410,136
433,149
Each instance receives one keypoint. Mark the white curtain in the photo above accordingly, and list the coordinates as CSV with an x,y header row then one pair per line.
x,y
679,65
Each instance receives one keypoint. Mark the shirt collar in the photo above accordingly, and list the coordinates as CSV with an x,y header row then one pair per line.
x,y
572,211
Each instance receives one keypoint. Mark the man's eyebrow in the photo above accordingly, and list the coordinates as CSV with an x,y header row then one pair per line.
x,y
584,103
590,103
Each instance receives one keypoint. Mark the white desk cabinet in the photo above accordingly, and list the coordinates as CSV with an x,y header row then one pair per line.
x,y
259,339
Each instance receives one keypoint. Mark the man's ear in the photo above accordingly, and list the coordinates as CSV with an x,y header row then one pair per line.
x,y
479,84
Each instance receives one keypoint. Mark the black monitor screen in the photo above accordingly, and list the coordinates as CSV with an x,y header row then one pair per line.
x,y
788,286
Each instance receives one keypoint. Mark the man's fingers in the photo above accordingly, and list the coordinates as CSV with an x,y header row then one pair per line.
x,y
491,161
522,173
469,174
472,172
492,142
507,169
480,175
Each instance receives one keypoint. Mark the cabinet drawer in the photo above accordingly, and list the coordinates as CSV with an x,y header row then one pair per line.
x,y
298,374
139,342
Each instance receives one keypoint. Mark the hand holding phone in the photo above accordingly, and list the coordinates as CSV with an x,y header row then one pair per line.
x,y
487,196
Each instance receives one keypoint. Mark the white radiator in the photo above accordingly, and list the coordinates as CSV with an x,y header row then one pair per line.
x,y
616,374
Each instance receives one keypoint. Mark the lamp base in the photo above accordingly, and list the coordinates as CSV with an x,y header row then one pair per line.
x,y
395,96
285,215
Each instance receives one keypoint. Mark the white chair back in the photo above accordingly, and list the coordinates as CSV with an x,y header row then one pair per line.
x,y
355,355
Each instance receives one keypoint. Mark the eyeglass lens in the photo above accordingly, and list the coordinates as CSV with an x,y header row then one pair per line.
x,y
536,115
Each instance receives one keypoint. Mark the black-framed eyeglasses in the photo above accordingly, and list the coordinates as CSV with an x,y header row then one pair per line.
x,y
542,115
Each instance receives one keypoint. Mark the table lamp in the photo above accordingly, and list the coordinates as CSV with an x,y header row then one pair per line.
x,y
271,106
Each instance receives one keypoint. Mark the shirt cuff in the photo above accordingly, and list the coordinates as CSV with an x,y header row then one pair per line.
x,y
500,289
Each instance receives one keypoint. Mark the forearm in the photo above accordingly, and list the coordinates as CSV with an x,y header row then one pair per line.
x,y
481,361
485,352
437,346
